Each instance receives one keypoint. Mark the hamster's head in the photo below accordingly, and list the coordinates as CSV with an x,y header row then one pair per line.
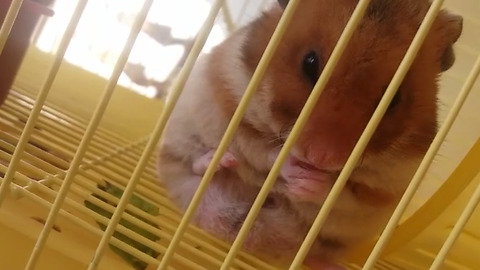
x,y
358,83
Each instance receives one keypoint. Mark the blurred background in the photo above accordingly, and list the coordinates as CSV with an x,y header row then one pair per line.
x,y
159,51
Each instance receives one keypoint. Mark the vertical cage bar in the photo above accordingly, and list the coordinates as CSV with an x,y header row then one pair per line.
x,y
227,15
296,130
160,125
368,132
42,96
457,229
242,11
90,131
352,25
424,165
9,21
473,202
230,131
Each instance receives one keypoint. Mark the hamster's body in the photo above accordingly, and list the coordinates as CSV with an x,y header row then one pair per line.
x,y
218,82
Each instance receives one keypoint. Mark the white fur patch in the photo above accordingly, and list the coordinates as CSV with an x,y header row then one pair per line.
x,y
234,70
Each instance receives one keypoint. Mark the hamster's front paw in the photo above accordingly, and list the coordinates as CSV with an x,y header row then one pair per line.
x,y
200,165
305,189
304,182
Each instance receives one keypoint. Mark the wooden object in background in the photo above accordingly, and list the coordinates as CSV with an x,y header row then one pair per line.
x,y
18,41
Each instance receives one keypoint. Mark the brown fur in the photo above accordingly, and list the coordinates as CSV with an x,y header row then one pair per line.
x,y
360,78
368,195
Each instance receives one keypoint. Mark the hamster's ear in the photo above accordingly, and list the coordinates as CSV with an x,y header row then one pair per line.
x,y
283,3
452,27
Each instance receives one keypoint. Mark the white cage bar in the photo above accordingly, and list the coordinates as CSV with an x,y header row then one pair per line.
x,y
131,161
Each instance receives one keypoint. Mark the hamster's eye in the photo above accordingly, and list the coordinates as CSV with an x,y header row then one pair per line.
x,y
311,66
396,100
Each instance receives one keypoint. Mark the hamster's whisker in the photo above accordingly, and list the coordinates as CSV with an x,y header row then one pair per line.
x,y
275,139
285,131
361,161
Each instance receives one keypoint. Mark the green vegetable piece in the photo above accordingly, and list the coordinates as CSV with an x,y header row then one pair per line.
x,y
139,203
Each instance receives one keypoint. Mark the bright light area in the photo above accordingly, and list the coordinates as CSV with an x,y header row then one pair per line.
x,y
105,25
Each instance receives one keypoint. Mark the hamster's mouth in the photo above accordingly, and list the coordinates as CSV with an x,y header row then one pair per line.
x,y
297,162
298,167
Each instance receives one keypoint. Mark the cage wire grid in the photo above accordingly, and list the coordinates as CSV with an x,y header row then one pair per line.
x,y
65,163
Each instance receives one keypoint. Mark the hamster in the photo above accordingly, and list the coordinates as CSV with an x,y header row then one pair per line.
x,y
219,80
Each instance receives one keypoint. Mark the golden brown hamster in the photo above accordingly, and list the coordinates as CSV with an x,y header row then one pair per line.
x,y
219,80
